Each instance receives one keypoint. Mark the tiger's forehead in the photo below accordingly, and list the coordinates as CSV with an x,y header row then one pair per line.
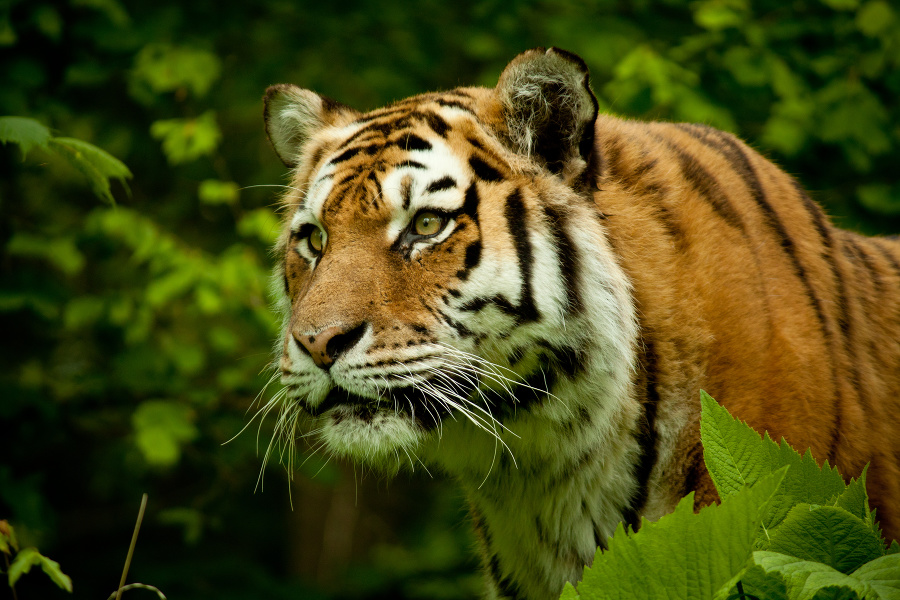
x,y
393,162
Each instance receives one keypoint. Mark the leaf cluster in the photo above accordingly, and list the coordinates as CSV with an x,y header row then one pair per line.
x,y
97,165
786,529
23,559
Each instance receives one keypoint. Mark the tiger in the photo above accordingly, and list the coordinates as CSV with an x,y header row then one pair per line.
x,y
526,295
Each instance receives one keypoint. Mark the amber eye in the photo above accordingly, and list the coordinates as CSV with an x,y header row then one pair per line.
x,y
317,240
428,223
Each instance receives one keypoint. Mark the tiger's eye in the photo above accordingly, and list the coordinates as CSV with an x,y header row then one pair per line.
x,y
428,223
317,240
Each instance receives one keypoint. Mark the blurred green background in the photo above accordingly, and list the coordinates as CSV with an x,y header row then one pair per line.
x,y
135,336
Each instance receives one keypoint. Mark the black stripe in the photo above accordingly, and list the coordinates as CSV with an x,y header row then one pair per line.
x,y
825,236
444,183
517,218
476,304
863,258
646,436
406,191
436,123
888,256
568,257
473,255
484,171
570,361
741,164
470,204
412,164
706,184
453,104
412,142
346,155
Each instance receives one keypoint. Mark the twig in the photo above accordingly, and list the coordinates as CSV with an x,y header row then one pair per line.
x,y
137,528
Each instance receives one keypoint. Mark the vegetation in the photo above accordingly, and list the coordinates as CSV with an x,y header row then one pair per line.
x,y
787,529
137,331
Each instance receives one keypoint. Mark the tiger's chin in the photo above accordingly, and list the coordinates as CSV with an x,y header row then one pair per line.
x,y
377,437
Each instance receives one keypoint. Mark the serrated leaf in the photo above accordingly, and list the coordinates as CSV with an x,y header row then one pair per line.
x,y
22,563
805,580
894,548
826,534
94,163
882,575
805,482
30,557
25,132
736,456
732,450
569,593
855,500
684,554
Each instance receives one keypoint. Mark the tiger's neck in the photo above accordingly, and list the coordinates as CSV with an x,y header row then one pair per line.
x,y
543,505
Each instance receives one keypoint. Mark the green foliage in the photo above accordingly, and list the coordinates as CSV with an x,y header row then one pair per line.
x,y
814,536
24,559
95,164
106,310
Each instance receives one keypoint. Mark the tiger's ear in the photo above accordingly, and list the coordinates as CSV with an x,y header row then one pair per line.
x,y
549,108
293,115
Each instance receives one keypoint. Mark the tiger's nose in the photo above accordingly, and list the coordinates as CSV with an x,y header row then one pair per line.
x,y
327,345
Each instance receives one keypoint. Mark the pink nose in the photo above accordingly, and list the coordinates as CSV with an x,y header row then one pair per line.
x,y
327,345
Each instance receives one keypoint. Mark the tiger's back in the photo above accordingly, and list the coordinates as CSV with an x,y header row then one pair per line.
x,y
531,296
795,328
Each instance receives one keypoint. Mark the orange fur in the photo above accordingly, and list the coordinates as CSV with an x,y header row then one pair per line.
x,y
628,264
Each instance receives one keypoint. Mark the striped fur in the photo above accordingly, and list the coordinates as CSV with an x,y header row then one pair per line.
x,y
546,344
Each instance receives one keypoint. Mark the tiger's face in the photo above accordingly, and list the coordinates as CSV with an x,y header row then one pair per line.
x,y
429,277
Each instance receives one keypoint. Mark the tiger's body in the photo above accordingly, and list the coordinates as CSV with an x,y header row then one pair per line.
x,y
502,283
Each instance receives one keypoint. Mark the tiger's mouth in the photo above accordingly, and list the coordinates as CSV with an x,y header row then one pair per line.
x,y
407,402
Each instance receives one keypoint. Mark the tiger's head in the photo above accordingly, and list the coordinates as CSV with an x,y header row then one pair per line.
x,y
444,267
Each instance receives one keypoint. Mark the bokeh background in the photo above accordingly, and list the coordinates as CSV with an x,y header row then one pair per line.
x,y
136,335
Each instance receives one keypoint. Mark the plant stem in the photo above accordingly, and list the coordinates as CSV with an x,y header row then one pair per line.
x,y
11,587
137,528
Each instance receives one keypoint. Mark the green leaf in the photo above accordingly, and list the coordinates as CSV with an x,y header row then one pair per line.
x,y
684,554
803,580
880,198
61,252
732,450
184,140
213,191
167,68
874,17
855,500
30,557
717,15
736,456
569,593
25,132
262,223
8,539
882,575
826,534
94,163
161,427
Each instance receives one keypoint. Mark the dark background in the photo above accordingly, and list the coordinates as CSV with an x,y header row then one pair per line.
x,y
136,336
